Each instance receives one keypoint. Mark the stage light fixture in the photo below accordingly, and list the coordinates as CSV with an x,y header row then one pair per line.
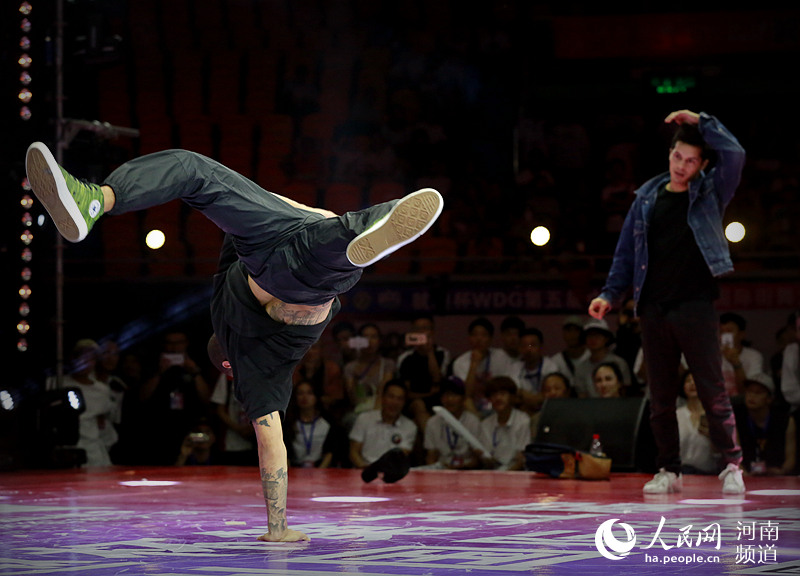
x,y
25,60
27,219
25,25
7,400
25,95
23,327
155,239
25,8
540,236
22,345
24,309
25,113
75,400
26,201
25,291
735,232
25,274
26,255
26,237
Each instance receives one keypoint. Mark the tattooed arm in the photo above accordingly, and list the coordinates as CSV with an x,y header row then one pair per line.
x,y
274,478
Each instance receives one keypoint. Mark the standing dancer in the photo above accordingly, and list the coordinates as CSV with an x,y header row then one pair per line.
x,y
671,249
283,266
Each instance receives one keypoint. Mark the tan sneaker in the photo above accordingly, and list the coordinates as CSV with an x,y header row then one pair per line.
x,y
409,219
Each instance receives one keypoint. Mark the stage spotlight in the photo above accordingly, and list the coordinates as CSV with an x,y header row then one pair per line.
x,y
734,232
155,239
540,236
7,400
58,429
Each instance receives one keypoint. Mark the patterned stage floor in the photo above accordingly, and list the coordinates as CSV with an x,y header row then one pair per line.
x,y
204,522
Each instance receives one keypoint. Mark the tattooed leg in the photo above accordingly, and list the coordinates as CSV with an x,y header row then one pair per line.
x,y
274,478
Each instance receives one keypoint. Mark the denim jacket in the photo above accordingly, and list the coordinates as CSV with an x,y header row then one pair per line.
x,y
709,195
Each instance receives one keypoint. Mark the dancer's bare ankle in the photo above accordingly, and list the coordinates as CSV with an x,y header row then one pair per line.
x,y
109,199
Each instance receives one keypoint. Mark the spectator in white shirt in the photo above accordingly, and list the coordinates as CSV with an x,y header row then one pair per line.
x,y
444,446
574,347
533,368
480,363
376,432
238,446
739,362
506,431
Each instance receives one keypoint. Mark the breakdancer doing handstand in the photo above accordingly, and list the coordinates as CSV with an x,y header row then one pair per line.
x,y
283,266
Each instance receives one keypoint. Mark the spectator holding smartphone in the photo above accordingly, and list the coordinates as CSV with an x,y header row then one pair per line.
x,y
421,367
366,375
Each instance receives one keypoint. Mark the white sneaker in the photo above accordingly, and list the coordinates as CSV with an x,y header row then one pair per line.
x,y
664,483
732,482
409,219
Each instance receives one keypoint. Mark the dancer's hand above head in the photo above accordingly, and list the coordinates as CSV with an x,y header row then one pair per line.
x,y
683,117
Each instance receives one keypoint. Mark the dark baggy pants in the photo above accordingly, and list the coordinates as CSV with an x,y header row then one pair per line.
x,y
296,255
691,328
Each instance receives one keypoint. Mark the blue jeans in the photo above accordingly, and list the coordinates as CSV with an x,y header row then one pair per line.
x,y
691,328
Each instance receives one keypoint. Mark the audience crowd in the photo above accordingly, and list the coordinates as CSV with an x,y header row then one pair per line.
x,y
360,393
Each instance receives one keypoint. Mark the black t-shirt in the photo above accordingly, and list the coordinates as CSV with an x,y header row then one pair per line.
x,y
263,352
414,370
676,269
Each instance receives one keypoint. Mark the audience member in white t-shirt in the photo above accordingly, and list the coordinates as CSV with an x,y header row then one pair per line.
x,y
739,362
239,448
307,432
376,432
444,446
698,455
574,347
533,368
506,431
480,363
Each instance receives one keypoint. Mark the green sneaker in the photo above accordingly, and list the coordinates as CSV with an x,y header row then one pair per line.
x,y
73,205
409,219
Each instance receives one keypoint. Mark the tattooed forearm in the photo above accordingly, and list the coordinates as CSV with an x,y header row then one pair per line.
x,y
274,486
